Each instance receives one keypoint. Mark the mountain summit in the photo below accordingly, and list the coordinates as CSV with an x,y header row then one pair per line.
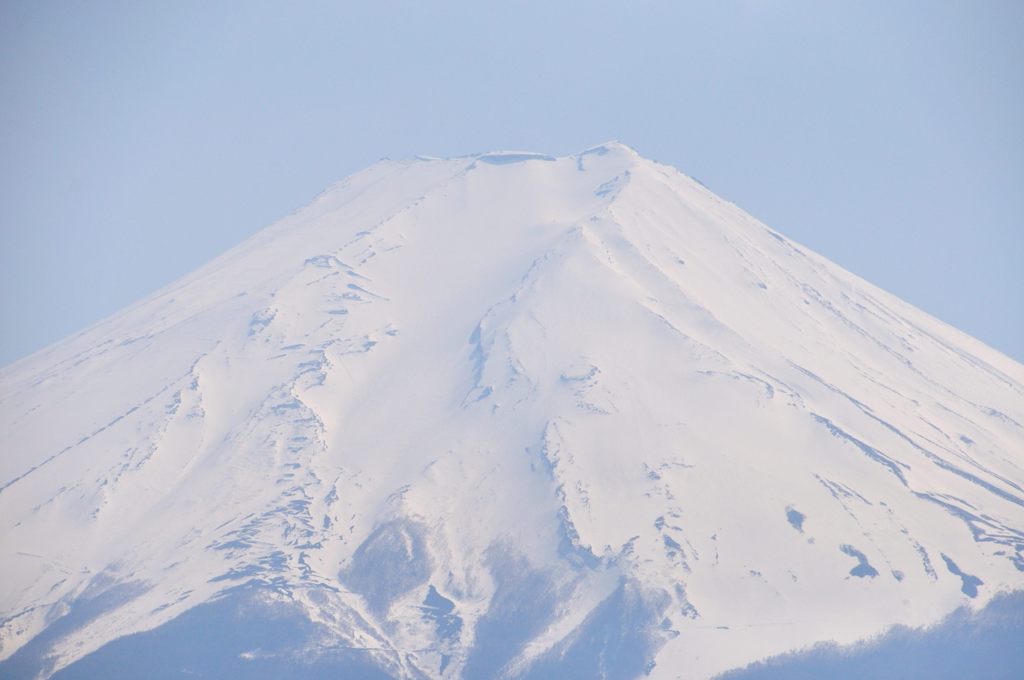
x,y
502,416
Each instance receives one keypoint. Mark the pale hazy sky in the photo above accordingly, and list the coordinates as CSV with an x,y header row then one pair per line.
x,y
140,139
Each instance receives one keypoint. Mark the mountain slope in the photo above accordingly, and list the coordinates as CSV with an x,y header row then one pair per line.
x,y
506,415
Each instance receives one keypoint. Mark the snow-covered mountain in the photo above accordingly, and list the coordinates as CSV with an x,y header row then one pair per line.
x,y
506,415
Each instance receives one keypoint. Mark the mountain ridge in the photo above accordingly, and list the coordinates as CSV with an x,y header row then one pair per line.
x,y
617,391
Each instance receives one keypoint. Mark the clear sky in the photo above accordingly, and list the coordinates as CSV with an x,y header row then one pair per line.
x,y
140,139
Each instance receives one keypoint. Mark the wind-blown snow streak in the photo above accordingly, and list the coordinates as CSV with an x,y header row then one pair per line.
x,y
507,416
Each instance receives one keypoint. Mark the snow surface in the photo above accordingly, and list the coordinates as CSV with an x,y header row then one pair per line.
x,y
482,416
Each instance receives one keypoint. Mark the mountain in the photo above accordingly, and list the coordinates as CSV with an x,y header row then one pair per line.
x,y
505,415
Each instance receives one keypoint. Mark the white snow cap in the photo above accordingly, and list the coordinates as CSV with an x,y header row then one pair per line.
x,y
583,379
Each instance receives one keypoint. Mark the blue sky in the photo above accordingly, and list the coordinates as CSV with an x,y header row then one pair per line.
x,y
138,140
